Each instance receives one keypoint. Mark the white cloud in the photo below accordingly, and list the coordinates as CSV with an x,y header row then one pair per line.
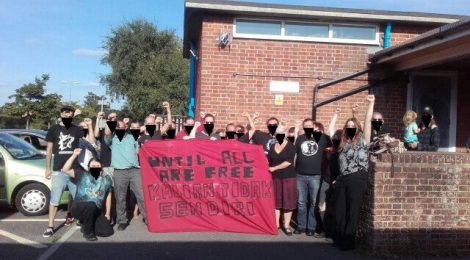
x,y
32,41
90,53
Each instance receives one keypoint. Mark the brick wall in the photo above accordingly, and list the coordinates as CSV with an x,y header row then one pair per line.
x,y
221,88
423,208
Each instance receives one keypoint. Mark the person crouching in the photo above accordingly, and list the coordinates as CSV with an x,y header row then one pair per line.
x,y
92,188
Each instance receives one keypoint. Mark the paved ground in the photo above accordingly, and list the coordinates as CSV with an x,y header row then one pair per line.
x,y
137,243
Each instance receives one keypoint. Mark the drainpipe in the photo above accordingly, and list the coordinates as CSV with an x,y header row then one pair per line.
x,y
387,35
192,80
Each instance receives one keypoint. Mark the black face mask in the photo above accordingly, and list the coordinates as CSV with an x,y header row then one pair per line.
x,y
376,124
336,143
280,138
291,139
230,134
85,132
308,132
351,132
135,133
67,121
95,172
188,128
272,129
170,133
150,129
120,134
112,125
426,120
209,128
240,134
317,136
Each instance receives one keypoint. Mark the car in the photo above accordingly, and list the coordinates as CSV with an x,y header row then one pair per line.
x,y
35,137
22,181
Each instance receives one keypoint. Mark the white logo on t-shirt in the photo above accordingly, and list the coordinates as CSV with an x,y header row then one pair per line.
x,y
65,141
270,143
309,148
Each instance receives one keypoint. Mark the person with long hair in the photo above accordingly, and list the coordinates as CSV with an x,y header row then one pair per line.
x,y
351,184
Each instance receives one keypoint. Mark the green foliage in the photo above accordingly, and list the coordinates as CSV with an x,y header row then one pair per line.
x,y
31,103
147,68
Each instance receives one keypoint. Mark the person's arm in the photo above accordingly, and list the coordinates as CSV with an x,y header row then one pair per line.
x,y
48,159
192,135
298,123
108,205
416,129
166,106
250,123
367,122
332,125
281,166
91,136
99,117
68,164
354,110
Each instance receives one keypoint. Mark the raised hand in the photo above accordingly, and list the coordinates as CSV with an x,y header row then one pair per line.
x,y
88,121
370,98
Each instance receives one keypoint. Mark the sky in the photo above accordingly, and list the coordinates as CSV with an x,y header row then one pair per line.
x,y
64,38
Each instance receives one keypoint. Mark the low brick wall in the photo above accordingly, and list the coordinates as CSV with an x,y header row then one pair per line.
x,y
422,208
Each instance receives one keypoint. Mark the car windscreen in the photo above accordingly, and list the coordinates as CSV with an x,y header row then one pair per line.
x,y
18,148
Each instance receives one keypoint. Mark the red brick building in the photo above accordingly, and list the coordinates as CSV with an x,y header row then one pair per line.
x,y
269,58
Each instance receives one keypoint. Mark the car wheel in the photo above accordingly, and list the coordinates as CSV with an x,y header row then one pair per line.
x,y
33,200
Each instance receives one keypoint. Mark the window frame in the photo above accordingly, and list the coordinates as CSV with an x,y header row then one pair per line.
x,y
283,37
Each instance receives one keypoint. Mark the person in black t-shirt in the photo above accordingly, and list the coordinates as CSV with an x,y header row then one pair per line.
x,y
61,139
208,132
255,136
310,147
281,164
378,126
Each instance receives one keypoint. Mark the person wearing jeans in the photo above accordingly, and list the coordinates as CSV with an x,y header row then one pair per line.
x,y
310,146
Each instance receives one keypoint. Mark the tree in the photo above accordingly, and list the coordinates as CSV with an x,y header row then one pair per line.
x,y
147,68
31,103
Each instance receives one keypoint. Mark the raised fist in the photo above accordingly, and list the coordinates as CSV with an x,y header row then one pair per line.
x,y
370,98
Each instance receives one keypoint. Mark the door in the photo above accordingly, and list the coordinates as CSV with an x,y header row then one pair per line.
x,y
439,91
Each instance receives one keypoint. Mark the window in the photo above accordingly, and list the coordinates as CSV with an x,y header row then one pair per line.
x,y
258,27
353,32
305,31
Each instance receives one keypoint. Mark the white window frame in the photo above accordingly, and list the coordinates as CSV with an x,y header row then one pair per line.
x,y
453,102
283,37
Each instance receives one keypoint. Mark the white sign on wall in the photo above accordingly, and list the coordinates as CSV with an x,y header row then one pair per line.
x,y
284,86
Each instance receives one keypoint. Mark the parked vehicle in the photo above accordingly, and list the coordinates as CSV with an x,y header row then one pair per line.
x,y
35,137
22,180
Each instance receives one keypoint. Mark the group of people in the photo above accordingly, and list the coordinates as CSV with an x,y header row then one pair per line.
x,y
319,173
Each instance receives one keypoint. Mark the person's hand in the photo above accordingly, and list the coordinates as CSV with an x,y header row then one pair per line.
x,y
100,115
338,110
370,98
245,114
158,120
47,174
202,114
213,139
77,112
77,151
354,108
142,129
298,123
152,115
197,124
255,115
166,105
271,169
126,120
108,217
186,137
413,145
88,121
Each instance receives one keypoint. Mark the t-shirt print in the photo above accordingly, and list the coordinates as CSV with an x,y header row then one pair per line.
x,y
270,143
309,148
65,143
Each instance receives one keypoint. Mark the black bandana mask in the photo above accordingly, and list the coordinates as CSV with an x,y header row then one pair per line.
x,y
336,143
188,128
308,132
150,129
272,129
230,134
240,135
377,124
426,120
170,133
120,134
135,133
95,172
112,125
317,136
280,138
209,128
351,132
85,132
291,139
67,121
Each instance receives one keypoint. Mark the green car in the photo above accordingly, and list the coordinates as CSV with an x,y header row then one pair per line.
x,y
22,181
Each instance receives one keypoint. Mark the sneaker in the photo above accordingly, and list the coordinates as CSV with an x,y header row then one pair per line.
x,y
299,231
319,235
49,232
69,220
90,237
122,227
